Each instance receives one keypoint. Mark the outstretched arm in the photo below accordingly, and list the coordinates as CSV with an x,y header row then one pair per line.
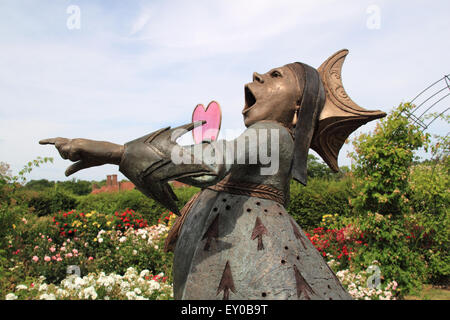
x,y
86,153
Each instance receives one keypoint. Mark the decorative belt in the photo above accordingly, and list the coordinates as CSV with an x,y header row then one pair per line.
x,y
249,189
241,188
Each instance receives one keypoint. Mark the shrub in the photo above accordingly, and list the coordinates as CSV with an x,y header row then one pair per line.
x,y
356,284
382,163
309,203
121,201
390,244
98,286
337,245
95,245
402,208
132,199
51,201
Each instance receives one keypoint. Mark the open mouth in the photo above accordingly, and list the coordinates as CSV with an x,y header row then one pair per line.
x,y
250,99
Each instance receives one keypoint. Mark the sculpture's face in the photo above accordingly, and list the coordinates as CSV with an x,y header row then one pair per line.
x,y
271,96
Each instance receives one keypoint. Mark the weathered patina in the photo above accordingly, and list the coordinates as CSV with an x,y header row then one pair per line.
x,y
235,239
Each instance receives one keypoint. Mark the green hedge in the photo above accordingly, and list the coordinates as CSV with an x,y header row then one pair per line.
x,y
307,204
51,201
320,197
131,199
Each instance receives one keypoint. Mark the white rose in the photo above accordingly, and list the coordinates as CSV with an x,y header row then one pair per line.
x,y
11,296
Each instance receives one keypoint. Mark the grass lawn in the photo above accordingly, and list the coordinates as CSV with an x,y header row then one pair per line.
x,y
430,292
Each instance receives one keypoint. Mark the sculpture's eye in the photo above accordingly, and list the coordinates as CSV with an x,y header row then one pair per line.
x,y
275,74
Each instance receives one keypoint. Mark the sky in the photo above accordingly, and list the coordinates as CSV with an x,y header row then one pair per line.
x,y
117,70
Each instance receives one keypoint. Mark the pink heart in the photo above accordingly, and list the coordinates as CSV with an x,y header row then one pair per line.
x,y
213,117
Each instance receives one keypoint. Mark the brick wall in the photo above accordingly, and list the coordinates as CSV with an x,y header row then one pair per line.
x,y
112,185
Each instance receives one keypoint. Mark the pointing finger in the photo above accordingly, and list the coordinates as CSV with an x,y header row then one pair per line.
x,y
48,141
56,141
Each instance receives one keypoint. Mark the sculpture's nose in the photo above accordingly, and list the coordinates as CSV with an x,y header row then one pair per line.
x,y
257,77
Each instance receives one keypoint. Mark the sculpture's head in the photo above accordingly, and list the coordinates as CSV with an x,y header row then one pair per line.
x,y
311,102
274,95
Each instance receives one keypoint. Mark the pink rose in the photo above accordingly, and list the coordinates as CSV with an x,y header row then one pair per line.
x,y
53,258
395,285
35,259
47,258
90,258
69,255
52,249
75,251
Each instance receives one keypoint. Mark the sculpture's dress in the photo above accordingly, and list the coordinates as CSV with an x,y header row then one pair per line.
x,y
235,245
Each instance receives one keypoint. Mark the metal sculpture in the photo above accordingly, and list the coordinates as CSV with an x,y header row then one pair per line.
x,y
428,99
235,236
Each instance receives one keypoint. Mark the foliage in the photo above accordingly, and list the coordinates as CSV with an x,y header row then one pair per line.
x,y
357,286
430,181
337,245
11,202
309,203
40,184
97,244
121,201
318,169
71,224
414,245
430,199
20,178
401,206
382,163
75,187
389,242
98,286
51,201
131,199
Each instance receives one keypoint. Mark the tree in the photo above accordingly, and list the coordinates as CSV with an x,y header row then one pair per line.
x,y
318,169
382,163
39,185
78,187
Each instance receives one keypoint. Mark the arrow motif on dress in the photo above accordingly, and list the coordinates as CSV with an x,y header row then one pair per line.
x,y
297,233
226,283
258,231
212,232
302,285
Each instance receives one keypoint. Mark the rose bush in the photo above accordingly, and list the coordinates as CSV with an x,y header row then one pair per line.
x,y
99,286
110,243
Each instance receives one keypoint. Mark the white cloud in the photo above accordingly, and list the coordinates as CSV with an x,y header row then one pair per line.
x,y
128,72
